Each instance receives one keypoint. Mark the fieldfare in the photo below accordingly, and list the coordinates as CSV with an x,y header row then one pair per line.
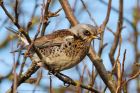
x,y
63,49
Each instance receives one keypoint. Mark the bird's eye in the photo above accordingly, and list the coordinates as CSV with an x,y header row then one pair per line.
x,y
87,33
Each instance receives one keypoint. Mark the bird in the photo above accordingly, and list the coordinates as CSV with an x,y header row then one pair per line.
x,y
65,48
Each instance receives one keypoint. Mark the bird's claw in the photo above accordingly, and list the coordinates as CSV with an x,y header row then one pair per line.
x,y
66,84
50,73
67,79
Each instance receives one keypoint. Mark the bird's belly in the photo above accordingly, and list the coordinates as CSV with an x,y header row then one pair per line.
x,y
61,62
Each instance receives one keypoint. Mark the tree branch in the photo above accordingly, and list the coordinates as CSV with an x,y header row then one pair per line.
x,y
102,27
65,80
118,32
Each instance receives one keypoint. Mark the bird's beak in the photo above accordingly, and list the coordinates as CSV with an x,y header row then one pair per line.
x,y
96,37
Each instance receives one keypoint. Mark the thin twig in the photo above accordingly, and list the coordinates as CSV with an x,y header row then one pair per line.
x,y
118,66
5,10
117,34
101,49
121,75
131,78
102,27
124,57
29,24
14,88
38,80
90,16
45,17
16,11
117,11
22,66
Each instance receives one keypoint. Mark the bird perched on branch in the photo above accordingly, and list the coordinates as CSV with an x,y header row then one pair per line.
x,y
64,48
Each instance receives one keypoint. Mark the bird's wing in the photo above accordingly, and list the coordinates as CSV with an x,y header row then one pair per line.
x,y
54,39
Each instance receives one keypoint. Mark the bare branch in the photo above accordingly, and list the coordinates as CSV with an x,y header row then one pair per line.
x,y
118,32
16,11
45,17
131,78
65,80
101,70
103,25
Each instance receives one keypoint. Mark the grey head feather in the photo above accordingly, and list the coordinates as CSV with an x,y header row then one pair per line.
x,y
76,29
79,29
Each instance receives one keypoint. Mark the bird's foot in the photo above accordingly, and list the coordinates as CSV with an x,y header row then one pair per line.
x,y
68,80
52,72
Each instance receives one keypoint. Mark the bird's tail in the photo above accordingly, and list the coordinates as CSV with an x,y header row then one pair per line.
x,y
20,35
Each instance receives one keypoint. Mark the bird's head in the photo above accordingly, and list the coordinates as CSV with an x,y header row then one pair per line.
x,y
85,31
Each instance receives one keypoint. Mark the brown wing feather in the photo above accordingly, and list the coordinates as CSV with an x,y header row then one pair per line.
x,y
56,38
